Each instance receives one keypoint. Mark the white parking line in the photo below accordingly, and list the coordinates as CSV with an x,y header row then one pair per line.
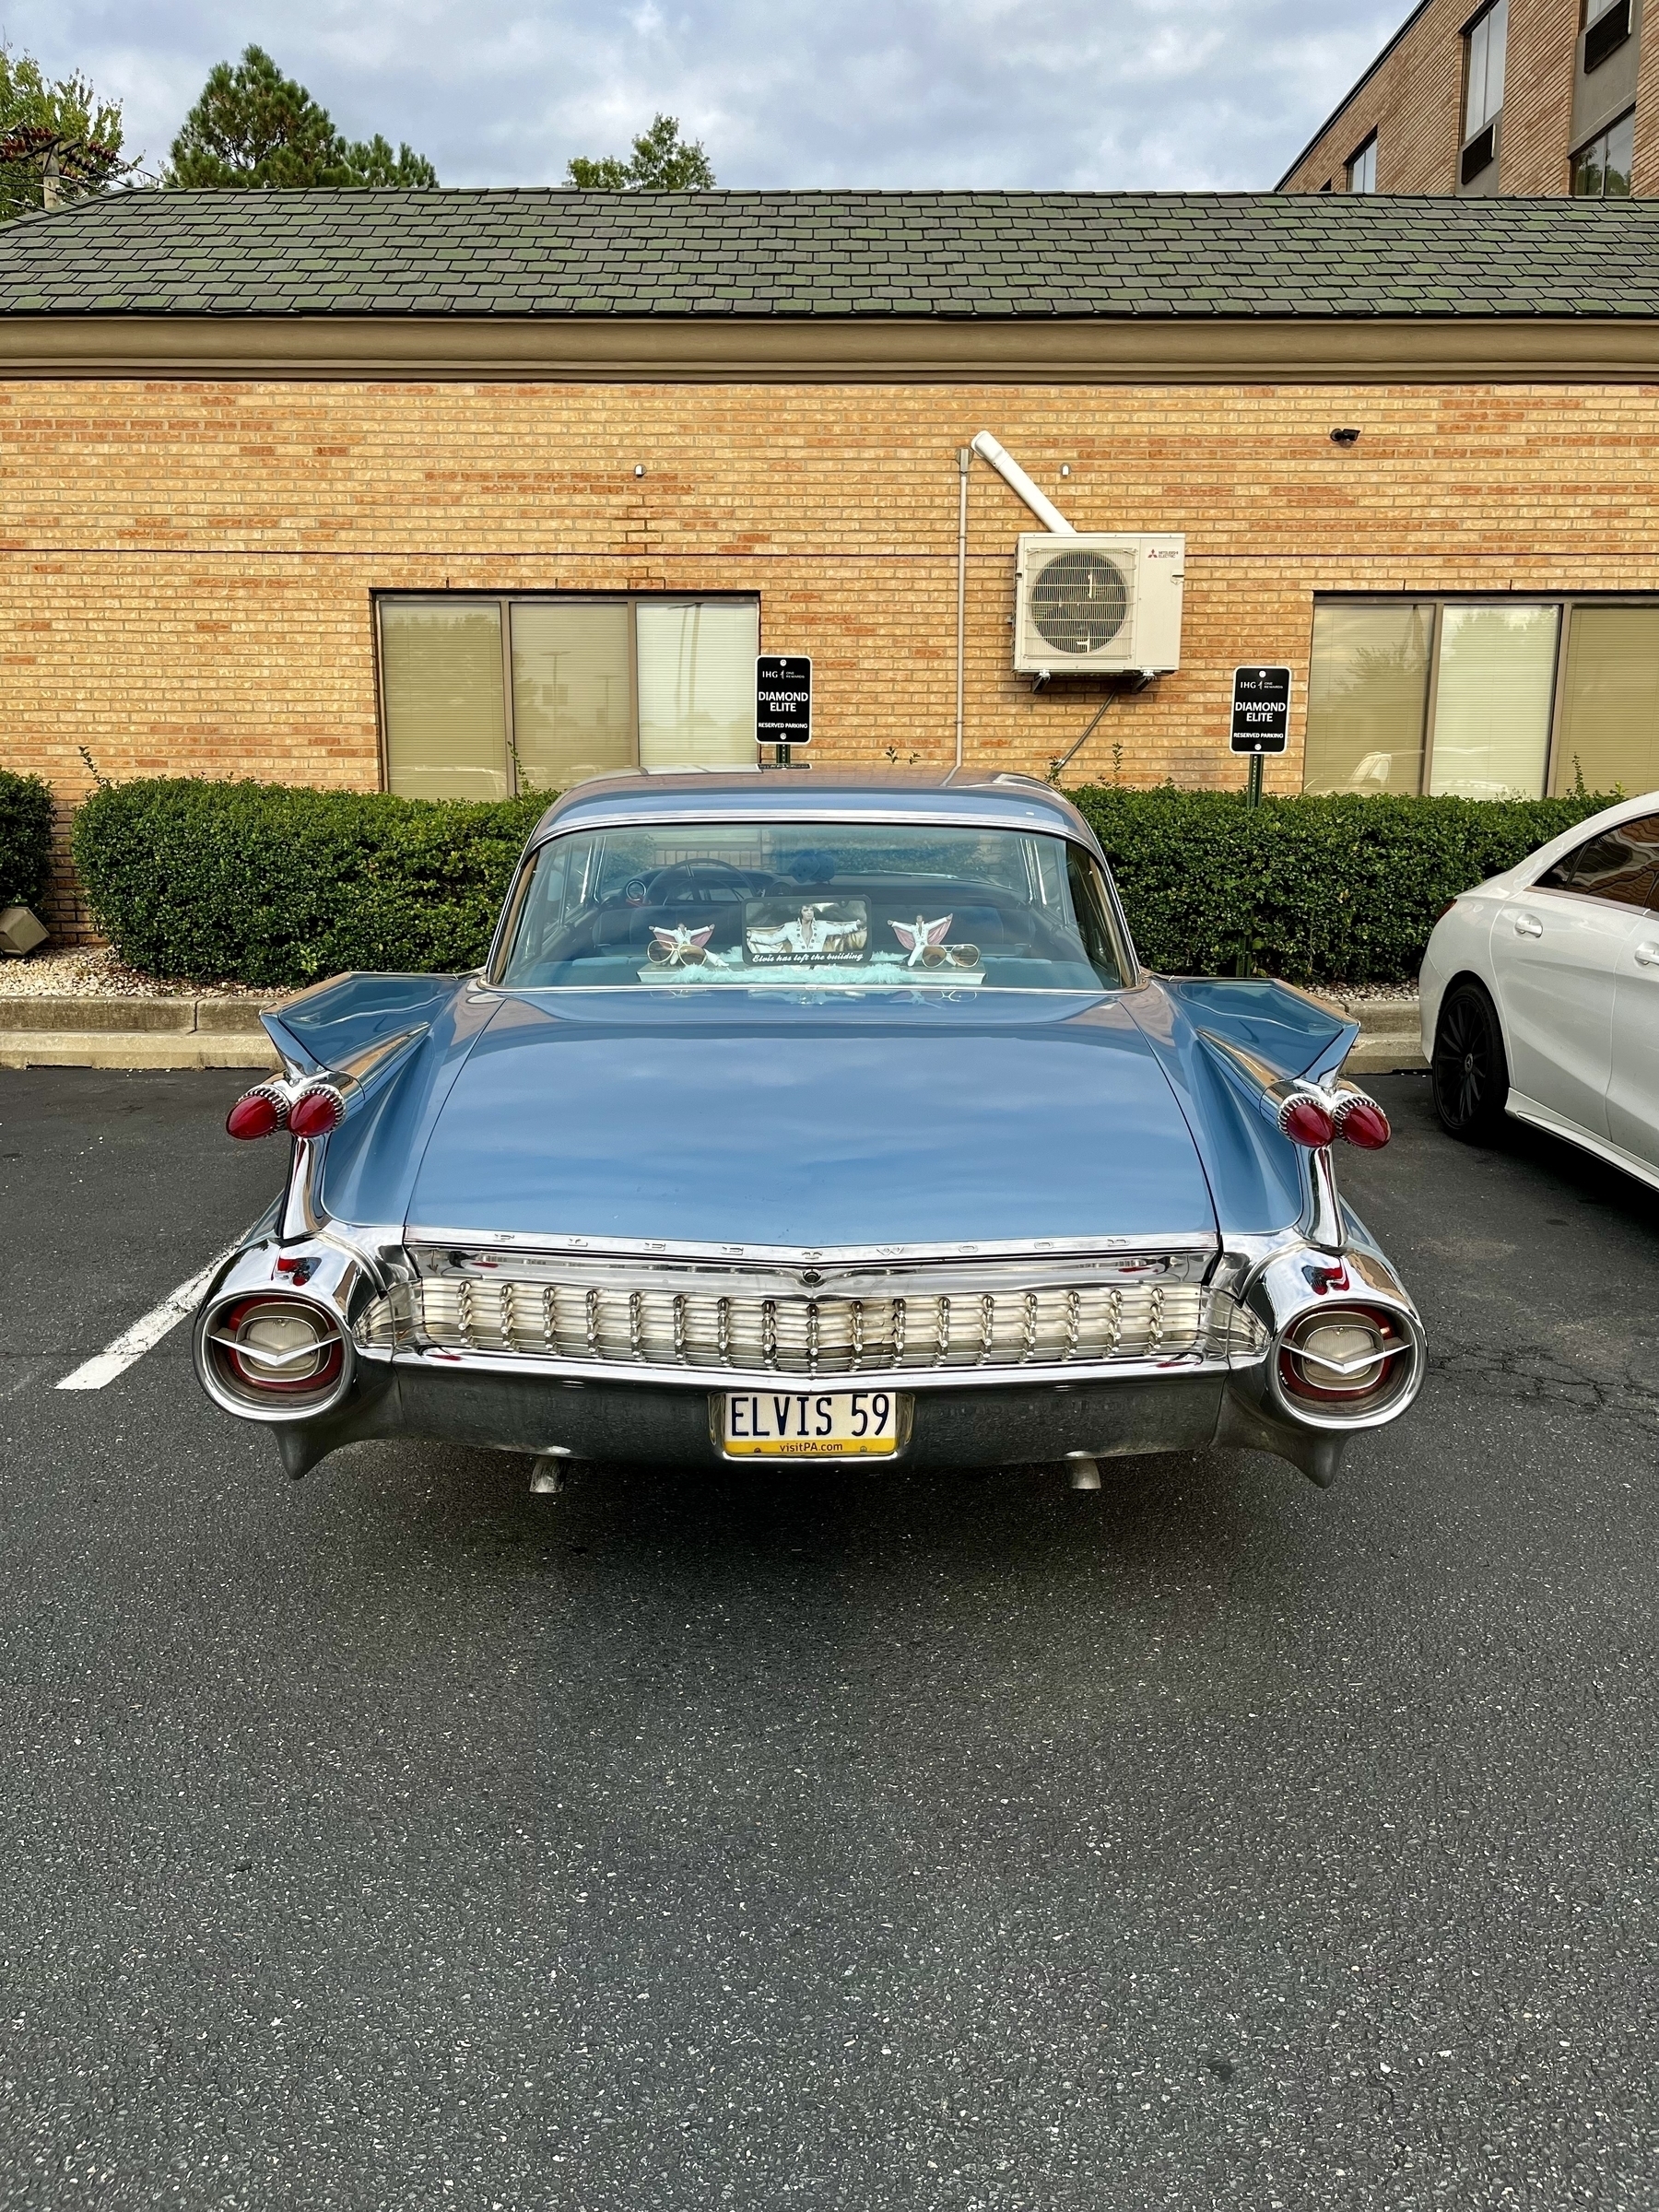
x,y
145,1334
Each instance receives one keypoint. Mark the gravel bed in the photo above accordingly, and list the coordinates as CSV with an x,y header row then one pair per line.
x,y
95,971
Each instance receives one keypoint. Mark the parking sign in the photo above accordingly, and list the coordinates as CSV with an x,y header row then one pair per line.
x,y
1261,710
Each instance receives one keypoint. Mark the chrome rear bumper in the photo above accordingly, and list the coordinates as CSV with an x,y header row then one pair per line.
x,y
1004,1361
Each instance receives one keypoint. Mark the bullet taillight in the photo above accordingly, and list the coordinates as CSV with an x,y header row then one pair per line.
x,y
258,1113
1360,1120
1307,1120
316,1111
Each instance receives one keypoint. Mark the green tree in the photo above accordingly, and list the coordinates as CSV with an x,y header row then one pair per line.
x,y
663,161
255,129
58,140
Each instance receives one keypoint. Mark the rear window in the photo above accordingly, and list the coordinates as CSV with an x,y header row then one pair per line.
x,y
832,905
1620,865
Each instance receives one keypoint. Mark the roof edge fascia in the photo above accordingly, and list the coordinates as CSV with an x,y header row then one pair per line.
x,y
1352,94
1096,350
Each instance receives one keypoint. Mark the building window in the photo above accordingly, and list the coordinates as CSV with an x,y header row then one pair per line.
x,y
1607,27
1608,728
1601,170
1368,696
1483,699
483,697
1494,684
1362,167
1484,44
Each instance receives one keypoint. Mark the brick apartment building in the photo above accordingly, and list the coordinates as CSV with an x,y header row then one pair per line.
x,y
1534,97
449,491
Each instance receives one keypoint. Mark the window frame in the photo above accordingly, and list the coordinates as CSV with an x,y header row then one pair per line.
x,y
1596,136
1567,604
1366,150
1605,47
1078,854
1491,124
381,595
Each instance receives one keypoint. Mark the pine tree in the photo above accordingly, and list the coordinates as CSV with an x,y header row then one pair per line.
x,y
255,129
663,161
58,140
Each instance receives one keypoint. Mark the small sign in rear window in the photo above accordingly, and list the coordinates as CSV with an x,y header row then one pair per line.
x,y
1261,710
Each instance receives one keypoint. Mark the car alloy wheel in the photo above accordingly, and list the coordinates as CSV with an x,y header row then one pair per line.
x,y
1469,1072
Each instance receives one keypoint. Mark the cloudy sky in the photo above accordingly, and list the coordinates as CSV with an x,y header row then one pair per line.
x,y
1091,94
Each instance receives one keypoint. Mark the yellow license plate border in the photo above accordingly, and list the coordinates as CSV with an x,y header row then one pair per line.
x,y
829,1448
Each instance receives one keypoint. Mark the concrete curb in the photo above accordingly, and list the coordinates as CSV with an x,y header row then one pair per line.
x,y
225,1033
133,1033
1390,1036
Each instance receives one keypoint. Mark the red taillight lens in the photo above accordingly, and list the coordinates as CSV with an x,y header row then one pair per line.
x,y
314,1112
1306,1122
258,1113
1360,1120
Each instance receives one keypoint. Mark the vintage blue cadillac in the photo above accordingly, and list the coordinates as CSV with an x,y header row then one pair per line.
x,y
811,1116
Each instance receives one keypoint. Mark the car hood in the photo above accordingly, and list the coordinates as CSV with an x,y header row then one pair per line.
x,y
757,1121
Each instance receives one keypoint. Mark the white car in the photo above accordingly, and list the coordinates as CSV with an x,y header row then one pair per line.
x,y
1540,993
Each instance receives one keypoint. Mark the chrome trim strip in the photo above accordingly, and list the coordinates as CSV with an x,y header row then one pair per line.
x,y
833,1256
302,1351
757,804
1519,1108
626,1374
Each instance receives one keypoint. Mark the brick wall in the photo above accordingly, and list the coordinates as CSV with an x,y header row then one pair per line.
x,y
188,569
1538,97
1645,181
1414,102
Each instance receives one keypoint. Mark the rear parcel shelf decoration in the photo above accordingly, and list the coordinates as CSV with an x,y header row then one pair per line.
x,y
842,1211
820,930
926,946
682,947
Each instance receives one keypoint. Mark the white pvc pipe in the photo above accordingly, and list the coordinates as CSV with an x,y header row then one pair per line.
x,y
964,458
1043,508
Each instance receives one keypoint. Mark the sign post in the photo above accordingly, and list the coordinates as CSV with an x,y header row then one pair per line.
x,y
784,702
1260,719
1261,724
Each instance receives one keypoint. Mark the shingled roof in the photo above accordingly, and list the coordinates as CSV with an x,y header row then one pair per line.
x,y
974,255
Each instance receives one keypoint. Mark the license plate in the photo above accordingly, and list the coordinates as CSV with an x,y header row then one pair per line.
x,y
808,1424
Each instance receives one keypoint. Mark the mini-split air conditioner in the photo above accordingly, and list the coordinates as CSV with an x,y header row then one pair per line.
x,y
1104,601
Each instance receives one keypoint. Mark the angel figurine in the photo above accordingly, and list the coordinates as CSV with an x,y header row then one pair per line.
x,y
682,947
919,938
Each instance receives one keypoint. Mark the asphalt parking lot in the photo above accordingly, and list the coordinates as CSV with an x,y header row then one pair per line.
x,y
396,1839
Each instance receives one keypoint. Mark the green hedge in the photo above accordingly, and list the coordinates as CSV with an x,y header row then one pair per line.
x,y
1318,890
25,838
274,886
267,884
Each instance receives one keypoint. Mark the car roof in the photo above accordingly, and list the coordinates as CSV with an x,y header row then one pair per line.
x,y
974,800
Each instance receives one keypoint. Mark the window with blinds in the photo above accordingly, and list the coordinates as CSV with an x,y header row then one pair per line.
x,y
441,698
482,697
1609,722
1368,696
1483,699
1494,685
